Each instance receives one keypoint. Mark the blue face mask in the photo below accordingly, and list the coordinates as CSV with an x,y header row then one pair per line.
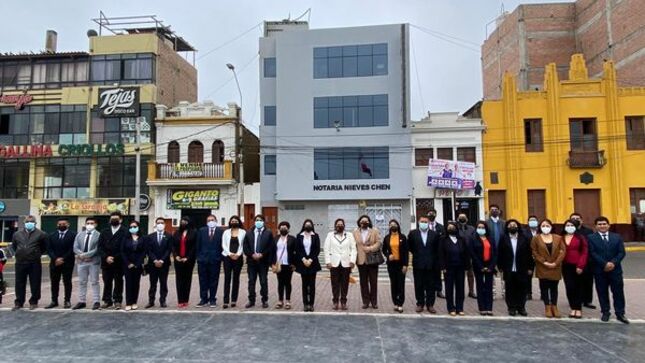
x,y
481,231
259,224
30,226
423,226
134,230
533,223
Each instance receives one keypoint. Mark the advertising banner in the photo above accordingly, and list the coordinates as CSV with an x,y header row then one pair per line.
x,y
450,174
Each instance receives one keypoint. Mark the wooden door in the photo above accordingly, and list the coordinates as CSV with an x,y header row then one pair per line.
x,y
271,218
537,203
587,203
249,213
498,197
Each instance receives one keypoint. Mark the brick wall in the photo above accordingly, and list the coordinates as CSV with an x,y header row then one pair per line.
x,y
176,78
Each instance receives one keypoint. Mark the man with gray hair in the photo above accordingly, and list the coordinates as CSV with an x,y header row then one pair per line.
x,y
27,245
89,262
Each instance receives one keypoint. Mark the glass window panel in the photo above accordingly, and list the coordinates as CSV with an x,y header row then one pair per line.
x,y
97,138
364,66
83,192
335,67
112,124
350,116
349,50
321,117
365,116
335,51
24,74
364,100
350,101
320,68
53,72
269,164
335,101
9,76
39,73
112,138
113,70
269,67
320,52
335,114
365,49
380,100
349,67
321,102
50,139
81,71
269,115
379,49
20,124
37,123
380,65
53,193
66,138
381,115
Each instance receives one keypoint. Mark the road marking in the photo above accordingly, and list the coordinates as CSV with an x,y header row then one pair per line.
x,y
635,249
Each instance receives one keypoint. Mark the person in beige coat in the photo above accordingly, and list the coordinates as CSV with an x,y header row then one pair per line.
x,y
548,252
340,257
368,240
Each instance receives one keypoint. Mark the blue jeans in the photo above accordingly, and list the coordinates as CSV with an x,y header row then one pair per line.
x,y
208,280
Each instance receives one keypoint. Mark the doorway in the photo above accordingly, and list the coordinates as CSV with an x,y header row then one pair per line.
x,y
270,217
197,216
249,214
587,203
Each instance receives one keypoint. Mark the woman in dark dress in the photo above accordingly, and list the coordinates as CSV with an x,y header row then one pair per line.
x,y
454,261
307,249
133,252
183,250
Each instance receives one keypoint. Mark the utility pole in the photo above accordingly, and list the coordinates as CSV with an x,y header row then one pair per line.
x,y
137,180
238,145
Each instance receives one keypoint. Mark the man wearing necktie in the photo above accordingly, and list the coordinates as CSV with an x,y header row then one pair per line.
x,y
209,261
158,247
258,247
60,248
89,260
607,249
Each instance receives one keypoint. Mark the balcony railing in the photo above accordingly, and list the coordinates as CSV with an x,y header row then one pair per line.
x,y
194,171
587,159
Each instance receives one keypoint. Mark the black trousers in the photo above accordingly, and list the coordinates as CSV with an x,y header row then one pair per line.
x,y
574,285
340,283
158,275
183,280
397,282
610,280
455,288
32,271
284,283
232,270
55,273
436,280
587,283
549,291
425,286
112,283
515,287
484,281
132,284
255,271
308,289
208,280
368,275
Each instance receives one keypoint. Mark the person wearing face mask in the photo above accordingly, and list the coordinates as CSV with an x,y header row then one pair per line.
x,y
209,260
158,247
27,245
423,244
340,258
438,229
282,261
530,231
258,247
368,241
548,252
484,259
467,232
86,249
183,251
110,244
306,253
395,249
495,225
587,273
133,252
232,259
454,261
575,260
60,248
515,261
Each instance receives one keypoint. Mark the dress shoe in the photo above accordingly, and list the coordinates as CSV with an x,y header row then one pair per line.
x,y
265,305
622,319
233,304
419,309
67,305
365,306
33,306
374,306
453,313
16,308
343,306
472,295
79,306
556,312
432,310
311,308
335,307
201,304
128,308
163,305
605,317
52,305
399,309
135,307
589,306
106,306
441,295
512,312
249,305
461,313
96,306
548,312
117,306
149,305
523,312
211,305
225,306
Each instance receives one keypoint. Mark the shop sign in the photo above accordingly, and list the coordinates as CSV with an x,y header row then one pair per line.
x,y
19,101
190,170
450,174
84,207
351,187
119,102
3,206
25,151
91,150
144,202
193,199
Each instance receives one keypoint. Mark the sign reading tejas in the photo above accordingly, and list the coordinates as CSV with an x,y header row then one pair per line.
x,y
193,199
84,207
119,102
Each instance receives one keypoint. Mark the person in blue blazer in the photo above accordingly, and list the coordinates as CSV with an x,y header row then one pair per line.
x,y
60,248
158,248
607,249
209,261
258,247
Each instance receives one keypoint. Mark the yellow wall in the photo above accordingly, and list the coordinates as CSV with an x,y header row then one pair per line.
x,y
126,43
519,171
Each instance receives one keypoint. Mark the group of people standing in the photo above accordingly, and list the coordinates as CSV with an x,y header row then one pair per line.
x,y
457,251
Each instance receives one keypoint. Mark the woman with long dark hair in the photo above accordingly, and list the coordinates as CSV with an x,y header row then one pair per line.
x,y
548,253
183,250
232,252
396,251
368,243
484,258
307,249
282,262
454,261
133,252
575,261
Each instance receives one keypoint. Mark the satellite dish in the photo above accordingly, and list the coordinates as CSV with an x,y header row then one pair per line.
x,y
92,33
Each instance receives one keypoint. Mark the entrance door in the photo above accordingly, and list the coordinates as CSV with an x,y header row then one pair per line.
x,y
498,197
446,204
249,213
587,203
270,218
470,206
197,216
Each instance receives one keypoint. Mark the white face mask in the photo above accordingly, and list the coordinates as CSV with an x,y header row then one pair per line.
x,y
211,224
161,227
89,227
546,229
570,229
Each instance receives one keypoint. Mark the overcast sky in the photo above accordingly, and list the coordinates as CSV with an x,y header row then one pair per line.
x,y
449,75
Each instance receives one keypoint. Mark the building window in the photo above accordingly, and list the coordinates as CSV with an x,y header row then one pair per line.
x,y
583,135
116,176
269,116
350,61
466,154
269,164
37,74
533,135
62,178
537,203
51,124
351,111
422,156
173,152
351,163
444,153
115,130
218,152
635,132
269,67
14,179
195,152
123,69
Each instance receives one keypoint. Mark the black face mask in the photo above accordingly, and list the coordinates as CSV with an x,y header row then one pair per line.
x,y
512,230
234,225
284,232
364,224
463,220
114,222
309,228
576,223
339,229
452,232
432,217
394,229
494,213
62,228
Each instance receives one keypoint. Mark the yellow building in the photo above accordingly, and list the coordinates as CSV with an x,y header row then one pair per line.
x,y
577,145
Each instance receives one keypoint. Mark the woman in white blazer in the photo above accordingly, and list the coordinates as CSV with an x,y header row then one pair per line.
x,y
340,257
232,239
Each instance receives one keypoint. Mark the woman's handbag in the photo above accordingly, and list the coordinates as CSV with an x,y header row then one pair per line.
x,y
277,267
374,258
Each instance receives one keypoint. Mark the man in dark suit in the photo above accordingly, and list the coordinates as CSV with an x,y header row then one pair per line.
x,y
531,230
587,273
158,247
607,250
209,261
515,260
467,232
423,246
110,242
258,248
60,248
27,246
438,229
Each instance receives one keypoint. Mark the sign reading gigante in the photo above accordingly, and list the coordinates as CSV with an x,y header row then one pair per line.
x,y
193,199
64,150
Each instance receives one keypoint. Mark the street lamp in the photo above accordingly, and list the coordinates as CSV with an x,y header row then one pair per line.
x,y
238,144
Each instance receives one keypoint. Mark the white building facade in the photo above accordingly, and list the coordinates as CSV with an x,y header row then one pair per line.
x,y
447,136
335,136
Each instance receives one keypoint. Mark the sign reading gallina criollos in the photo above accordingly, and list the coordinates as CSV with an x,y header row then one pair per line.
x,y
119,102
